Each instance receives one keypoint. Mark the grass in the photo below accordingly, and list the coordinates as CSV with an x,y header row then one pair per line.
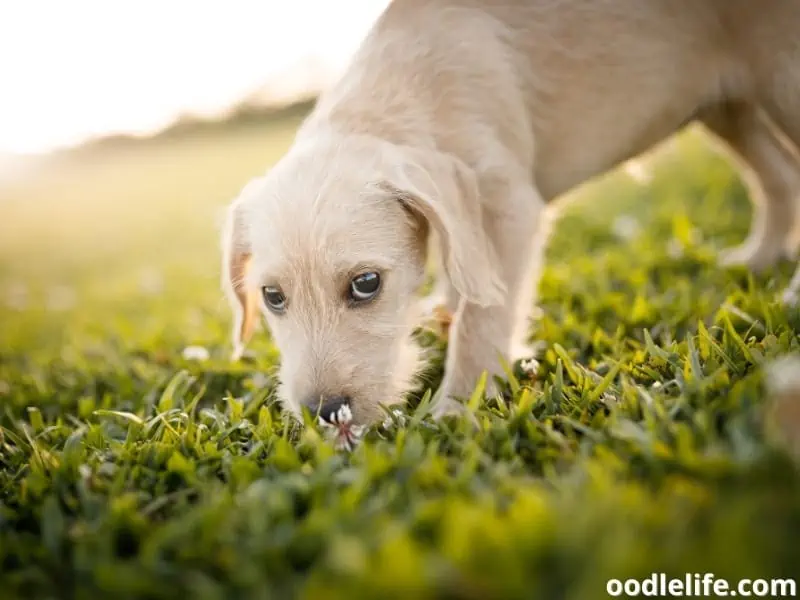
x,y
129,471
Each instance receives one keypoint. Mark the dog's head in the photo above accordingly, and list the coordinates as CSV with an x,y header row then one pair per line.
x,y
330,246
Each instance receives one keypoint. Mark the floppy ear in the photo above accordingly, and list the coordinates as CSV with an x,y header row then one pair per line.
x,y
236,255
444,192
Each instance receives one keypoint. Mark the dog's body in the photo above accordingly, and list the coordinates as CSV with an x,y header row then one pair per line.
x,y
464,118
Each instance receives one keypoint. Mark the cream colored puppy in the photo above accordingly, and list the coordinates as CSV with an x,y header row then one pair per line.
x,y
463,119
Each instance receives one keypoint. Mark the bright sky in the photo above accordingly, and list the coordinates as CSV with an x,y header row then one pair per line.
x,y
73,69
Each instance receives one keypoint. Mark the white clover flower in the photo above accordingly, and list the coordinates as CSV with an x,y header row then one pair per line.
x,y
346,434
529,366
626,227
398,416
198,353
609,399
260,380
343,415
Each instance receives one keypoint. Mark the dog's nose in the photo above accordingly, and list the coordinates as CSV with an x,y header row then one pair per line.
x,y
335,409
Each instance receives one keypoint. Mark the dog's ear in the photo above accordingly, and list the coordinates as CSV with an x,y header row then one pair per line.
x,y
444,192
236,256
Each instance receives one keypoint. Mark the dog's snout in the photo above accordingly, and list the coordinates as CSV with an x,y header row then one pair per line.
x,y
332,409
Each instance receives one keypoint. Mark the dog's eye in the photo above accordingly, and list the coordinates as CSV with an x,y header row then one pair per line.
x,y
274,299
365,286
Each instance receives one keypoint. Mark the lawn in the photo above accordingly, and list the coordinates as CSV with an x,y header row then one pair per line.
x,y
132,468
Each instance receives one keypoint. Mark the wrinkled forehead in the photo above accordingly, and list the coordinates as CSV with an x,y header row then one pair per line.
x,y
328,236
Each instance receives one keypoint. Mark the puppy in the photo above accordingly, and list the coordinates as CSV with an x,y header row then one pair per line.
x,y
462,120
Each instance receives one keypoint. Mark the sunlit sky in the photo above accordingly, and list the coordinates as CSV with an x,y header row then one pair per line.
x,y
75,69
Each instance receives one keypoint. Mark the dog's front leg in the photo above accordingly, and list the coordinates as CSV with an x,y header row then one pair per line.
x,y
517,230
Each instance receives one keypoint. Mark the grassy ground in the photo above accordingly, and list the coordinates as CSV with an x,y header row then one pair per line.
x,y
128,470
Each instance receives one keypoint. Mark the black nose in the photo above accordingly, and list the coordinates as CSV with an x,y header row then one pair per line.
x,y
335,408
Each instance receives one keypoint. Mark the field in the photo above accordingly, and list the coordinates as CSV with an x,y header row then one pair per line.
x,y
130,468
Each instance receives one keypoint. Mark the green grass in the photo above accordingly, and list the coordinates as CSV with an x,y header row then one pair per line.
x,y
128,471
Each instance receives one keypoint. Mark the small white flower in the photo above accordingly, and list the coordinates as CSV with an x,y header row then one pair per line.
x,y
349,438
626,227
398,416
345,433
608,399
637,171
198,353
260,380
344,414
657,385
529,366
341,417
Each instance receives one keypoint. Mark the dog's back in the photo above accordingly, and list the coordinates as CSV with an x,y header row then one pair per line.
x,y
552,81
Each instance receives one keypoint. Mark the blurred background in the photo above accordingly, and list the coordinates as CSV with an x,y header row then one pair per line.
x,y
126,127
85,69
